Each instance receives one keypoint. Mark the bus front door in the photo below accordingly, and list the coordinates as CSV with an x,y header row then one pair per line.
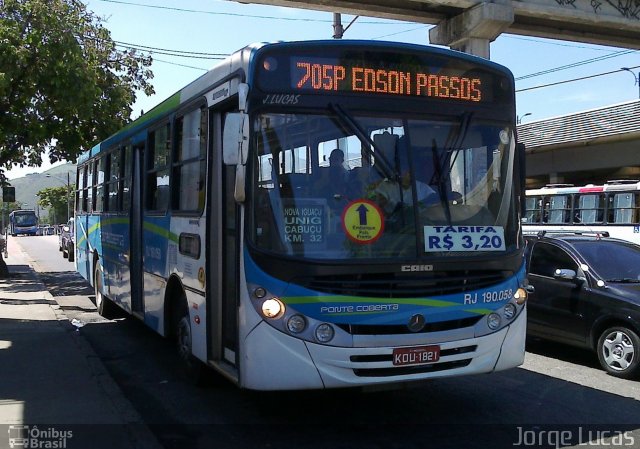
x,y
224,254
135,228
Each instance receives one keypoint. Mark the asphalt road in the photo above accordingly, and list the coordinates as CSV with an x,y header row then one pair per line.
x,y
558,398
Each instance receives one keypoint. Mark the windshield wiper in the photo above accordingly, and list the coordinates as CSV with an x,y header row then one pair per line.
x,y
443,165
624,281
385,168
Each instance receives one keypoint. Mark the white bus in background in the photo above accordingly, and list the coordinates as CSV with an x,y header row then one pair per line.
x,y
611,207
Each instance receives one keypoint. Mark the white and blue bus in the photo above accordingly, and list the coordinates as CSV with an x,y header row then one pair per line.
x,y
23,222
218,220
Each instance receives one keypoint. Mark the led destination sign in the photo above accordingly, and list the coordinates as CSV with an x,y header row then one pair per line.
x,y
303,71
366,78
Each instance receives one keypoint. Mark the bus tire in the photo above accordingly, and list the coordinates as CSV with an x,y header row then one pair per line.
x,y
103,304
191,367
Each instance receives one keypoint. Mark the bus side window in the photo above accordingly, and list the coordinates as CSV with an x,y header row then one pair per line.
x,y
157,193
624,208
189,162
559,209
590,209
533,206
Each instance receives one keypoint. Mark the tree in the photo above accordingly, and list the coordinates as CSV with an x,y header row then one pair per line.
x,y
64,86
56,199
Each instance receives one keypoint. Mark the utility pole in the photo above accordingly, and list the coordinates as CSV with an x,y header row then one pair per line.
x,y
338,30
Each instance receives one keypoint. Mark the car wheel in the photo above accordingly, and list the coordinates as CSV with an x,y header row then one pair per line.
x,y
191,366
619,352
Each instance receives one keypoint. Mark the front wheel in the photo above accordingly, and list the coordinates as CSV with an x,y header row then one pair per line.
x,y
103,304
192,367
619,352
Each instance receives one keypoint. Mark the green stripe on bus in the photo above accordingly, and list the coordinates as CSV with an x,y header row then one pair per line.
x,y
155,229
339,299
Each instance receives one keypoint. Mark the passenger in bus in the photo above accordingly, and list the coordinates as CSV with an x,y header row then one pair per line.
x,y
333,182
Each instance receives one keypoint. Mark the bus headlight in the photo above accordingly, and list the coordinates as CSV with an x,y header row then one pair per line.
x,y
510,311
272,308
493,321
296,324
324,333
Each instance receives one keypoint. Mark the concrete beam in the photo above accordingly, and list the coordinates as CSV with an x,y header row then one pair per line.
x,y
474,29
606,22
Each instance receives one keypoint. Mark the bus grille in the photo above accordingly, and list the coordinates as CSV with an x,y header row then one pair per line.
x,y
380,329
402,285
408,370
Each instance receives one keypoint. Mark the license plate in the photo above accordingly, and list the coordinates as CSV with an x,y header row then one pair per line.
x,y
416,355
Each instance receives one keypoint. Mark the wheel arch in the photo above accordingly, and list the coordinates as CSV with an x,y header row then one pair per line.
x,y
608,321
174,303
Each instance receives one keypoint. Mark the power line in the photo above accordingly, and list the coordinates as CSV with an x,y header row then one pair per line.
x,y
558,44
171,53
180,65
215,13
572,80
576,64
183,52
399,32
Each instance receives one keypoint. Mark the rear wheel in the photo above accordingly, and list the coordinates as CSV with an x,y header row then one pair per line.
x,y
619,352
70,253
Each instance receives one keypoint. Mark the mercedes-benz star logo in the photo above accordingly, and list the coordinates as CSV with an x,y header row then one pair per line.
x,y
416,323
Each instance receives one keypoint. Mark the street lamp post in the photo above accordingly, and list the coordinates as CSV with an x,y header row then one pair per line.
x,y
520,117
635,77
68,188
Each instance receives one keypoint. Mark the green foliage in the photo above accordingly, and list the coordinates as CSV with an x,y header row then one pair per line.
x,y
64,85
56,198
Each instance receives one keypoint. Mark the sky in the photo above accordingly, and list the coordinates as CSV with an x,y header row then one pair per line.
x,y
222,27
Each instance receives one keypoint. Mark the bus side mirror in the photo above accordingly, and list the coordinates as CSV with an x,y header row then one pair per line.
x,y
235,139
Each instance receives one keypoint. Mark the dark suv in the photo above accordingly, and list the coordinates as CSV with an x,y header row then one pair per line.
x,y
587,294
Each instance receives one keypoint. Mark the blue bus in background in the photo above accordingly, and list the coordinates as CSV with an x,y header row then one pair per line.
x,y
23,222
219,219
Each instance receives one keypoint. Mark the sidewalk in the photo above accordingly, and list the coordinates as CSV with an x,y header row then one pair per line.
x,y
51,378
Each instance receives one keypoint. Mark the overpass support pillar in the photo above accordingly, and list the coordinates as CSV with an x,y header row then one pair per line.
x,y
474,29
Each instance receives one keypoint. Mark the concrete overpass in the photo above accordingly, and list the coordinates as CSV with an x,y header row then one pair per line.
x,y
470,25
592,146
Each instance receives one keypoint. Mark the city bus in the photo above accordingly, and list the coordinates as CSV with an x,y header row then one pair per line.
x,y
23,222
217,219
611,207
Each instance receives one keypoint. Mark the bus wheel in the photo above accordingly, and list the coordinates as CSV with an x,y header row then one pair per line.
x,y
619,352
103,304
191,366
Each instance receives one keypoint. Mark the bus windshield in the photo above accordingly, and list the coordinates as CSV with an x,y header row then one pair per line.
x,y
344,185
26,219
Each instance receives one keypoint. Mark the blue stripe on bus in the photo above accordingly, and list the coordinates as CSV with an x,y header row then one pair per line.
x,y
389,311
